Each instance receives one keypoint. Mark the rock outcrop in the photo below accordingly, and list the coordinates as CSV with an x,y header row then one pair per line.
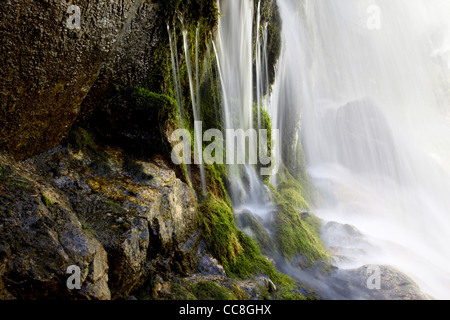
x,y
121,225
49,65
357,284
56,54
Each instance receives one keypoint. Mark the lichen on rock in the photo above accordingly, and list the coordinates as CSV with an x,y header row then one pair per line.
x,y
120,231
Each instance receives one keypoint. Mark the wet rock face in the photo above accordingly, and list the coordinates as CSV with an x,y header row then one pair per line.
x,y
52,65
40,238
48,68
121,227
135,124
346,244
361,284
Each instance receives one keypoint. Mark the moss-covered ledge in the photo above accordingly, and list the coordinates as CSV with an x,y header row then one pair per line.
x,y
238,253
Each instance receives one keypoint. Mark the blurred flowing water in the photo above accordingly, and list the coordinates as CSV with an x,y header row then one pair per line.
x,y
235,54
372,81
364,85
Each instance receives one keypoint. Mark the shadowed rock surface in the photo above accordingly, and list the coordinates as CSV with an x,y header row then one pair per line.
x,y
120,227
48,69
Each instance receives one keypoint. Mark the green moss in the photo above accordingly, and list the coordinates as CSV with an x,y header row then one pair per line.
x,y
295,236
216,175
249,224
314,222
293,168
211,97
47,201
166,106
148,99
180,292
270,15
83,140
204,290
292,191
237,252
207,290
266,124
220,230
201,14
274,39
251,262
296,232
193,11
86,227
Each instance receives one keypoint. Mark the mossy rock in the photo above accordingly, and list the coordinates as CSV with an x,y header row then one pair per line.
x,y
254,228
291,191
206,290
47,201
220,230
83,140
216,182
296,231
237,252
252,263
295,236
136,121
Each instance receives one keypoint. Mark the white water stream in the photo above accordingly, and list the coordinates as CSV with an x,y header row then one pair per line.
x,y
372,81
365,85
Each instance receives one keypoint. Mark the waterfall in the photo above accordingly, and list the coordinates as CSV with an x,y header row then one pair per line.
x,y
258,65
175,71
195,100
367,82
361,93
233,48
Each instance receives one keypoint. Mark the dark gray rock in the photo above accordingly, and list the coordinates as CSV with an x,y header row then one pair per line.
x,y
145,219
120,229
40,237
346,244
210,266
358,284
48,69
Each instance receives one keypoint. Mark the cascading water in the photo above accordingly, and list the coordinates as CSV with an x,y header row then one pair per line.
x,y
194,89
362,88
234,53
195,99
175,71
369,82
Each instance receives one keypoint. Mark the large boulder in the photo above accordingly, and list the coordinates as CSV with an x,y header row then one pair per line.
x,y
356,284
40,237
49,66
369,282
141,213
122,225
